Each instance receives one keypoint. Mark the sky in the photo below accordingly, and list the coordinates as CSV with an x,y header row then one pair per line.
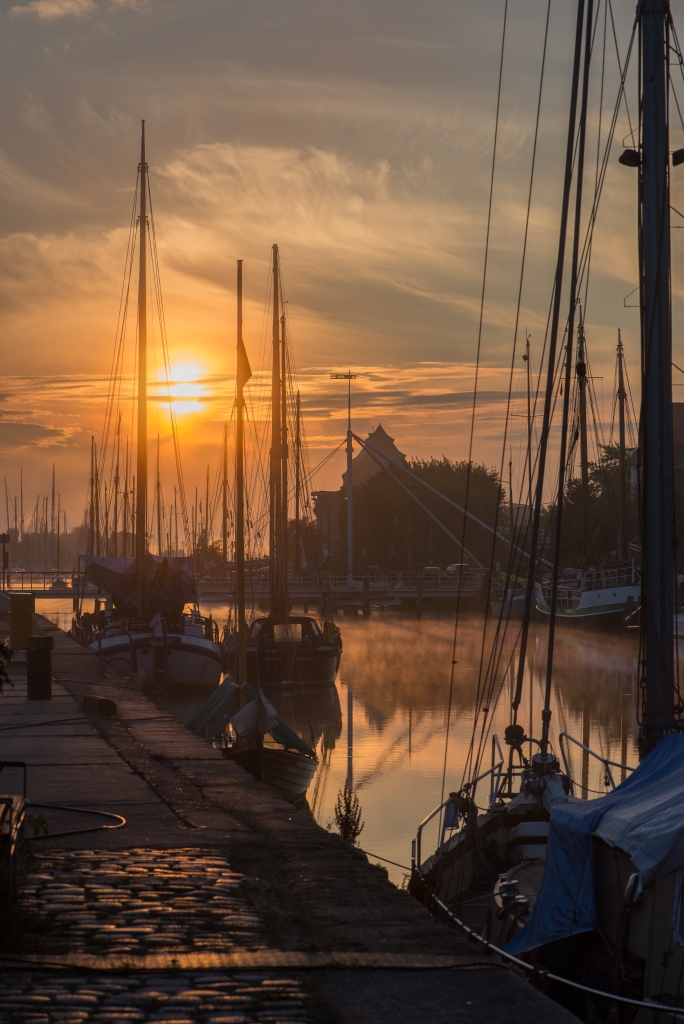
x,y
356,136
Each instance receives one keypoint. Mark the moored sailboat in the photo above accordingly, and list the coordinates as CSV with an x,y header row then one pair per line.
x,y
280,649
143,629
587,895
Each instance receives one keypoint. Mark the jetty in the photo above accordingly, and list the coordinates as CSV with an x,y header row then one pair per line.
x,y
216,896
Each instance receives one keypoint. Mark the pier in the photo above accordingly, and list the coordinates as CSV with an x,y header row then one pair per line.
x,y
216,897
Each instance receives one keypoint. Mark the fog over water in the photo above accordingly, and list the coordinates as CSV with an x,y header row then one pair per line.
x,y
397,671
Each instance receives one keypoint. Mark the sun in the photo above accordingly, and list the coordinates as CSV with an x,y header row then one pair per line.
x,y
185,388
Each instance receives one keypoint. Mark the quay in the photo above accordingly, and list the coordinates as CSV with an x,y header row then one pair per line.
x,y
216,902
385,588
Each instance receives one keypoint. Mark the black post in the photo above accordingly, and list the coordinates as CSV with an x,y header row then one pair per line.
x,y
39,668
658,581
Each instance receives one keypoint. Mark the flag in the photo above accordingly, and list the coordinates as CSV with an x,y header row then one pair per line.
x,y
244,370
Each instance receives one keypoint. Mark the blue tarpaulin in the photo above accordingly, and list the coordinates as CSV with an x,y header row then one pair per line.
x,y
644,816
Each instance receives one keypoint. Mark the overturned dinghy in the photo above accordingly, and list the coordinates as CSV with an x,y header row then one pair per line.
x,y
288,765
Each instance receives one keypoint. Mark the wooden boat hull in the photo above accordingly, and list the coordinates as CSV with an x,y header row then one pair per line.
x,y
289,772
192,661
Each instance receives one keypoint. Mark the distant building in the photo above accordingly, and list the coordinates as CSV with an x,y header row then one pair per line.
x,y
330,506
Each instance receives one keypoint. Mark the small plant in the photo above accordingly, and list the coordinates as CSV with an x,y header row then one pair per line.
x,y
348,815
38,824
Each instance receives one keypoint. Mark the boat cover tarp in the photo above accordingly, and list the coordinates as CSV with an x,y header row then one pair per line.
x,y
644,816
169,582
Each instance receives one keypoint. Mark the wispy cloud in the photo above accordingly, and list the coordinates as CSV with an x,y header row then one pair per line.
x,y
50,9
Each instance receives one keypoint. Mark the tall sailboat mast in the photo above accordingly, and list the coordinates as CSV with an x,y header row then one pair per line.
x,y
141,467
656,405
284,504
581,372
242,376
622,490
275,518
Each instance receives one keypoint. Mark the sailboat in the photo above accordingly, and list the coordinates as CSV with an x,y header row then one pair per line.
x,y
282,649
236,711
589,894
142,628
609,595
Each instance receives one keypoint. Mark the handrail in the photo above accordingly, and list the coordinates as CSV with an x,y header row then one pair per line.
x,y
606,762
472,786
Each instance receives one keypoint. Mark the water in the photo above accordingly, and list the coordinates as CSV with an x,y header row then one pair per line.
x,y
394,686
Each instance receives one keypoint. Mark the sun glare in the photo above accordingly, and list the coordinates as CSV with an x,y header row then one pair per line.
x,y
185,387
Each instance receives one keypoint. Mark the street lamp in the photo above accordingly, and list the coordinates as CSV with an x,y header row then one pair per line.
x,y
350,487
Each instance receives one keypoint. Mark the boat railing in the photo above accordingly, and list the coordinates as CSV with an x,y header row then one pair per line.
x,y
605,761
450,823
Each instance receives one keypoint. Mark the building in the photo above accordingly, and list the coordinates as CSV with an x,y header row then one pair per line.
x,y
330,506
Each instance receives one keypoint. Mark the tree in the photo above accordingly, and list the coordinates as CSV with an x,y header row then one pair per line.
x,y
392,531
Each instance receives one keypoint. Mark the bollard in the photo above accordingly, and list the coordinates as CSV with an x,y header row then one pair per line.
x,y
419,596
22,607
39,668
366,608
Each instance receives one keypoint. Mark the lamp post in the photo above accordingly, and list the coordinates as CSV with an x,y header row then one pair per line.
x,y
349,377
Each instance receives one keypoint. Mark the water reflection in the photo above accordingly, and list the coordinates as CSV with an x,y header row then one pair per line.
x,y
384,724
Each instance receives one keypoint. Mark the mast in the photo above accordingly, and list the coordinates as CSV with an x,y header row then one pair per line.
x,y
91,510
546,712
283,554
125,506
117,480
206,519
526,359
141,465
622,493
275,518
52,511
242,376
97,504
298,455
510,497
159,502
224,518
581,372
656,406
553,341
350,490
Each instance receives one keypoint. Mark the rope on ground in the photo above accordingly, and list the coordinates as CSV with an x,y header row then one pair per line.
x,y
119,818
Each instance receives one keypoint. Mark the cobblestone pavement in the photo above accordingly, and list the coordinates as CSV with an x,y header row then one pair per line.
x,y
204,998
138,901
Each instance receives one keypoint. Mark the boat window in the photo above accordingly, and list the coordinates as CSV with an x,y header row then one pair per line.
x,y
256,626
314,628
288,631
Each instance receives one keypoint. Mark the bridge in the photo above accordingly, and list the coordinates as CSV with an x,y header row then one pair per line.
x,y
379,588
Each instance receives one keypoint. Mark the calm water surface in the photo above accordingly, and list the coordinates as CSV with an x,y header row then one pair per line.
x,y
384,724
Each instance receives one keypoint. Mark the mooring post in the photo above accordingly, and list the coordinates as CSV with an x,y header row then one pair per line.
x,y
39,668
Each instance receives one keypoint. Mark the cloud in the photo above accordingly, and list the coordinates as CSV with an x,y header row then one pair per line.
x,y
49,9
15,435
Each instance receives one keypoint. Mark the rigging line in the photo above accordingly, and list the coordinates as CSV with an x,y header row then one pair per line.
x,y
553,341
477,373
515,339
598,131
